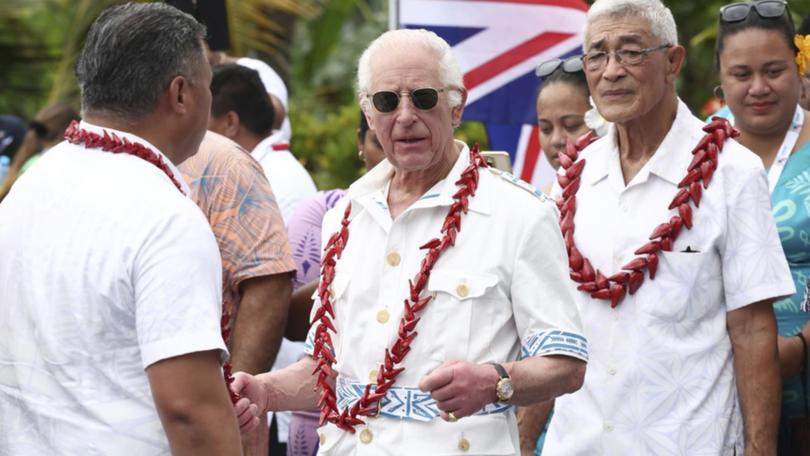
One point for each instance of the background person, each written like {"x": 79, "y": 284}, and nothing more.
{"x": 755, "y": 55}
{"x": 242, "y": 112}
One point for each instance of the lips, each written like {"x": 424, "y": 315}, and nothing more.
{"x": 762, "y": 106}
{"x": 615, "y": 93}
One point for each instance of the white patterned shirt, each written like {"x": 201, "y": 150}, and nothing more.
{"x": 661, "y": 380}
{"x": 106, "y": 268}
{"x": 500, "y": 295}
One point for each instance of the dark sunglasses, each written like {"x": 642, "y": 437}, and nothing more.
{"x": 766, "y": 9}
{"x": 569, "y": 65}
{"x": 425, "y": 99}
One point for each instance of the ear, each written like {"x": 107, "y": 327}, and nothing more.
{"x": 232, "y": 124}
{"x": 458, "y": 111}
{"x": 179, "y": 94}
{"x": 369, "y": 119}
{"x": 675, "y": 59}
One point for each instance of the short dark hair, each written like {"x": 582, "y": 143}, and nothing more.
{"x": 239, "y": 89}
{"x": 782, "y": 24}
{"x": 132, "y": 53}
{"x": 804, "y": 28}
{"x": 576, "y": 78}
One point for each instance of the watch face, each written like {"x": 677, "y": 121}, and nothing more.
{"x": 505, "y": 389}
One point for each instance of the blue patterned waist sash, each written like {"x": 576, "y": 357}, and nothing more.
{"x": 402, "y": 402}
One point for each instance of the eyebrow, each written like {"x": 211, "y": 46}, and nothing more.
{"x": 624, "y": 39}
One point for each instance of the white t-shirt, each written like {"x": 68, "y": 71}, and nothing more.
{"x": 500, "y": 295}
{"x": 290, "y": 181}
{"x": 106, "y": 268}
{"x": 275, "y": 86}
{"x": 661, "y": 376}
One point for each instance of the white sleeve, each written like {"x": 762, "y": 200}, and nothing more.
{"x": 754, "y": 264}
{"x": 546, "y": 315}
{"x": 177, "y": 279}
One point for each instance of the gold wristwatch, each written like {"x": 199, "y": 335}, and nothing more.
{"x": 504, "y": 388}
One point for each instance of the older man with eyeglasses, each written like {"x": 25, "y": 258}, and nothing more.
{"x": 442, "y": 301}
{"x": 675, "y": 259}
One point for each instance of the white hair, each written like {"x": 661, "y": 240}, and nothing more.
{"x": 449, "y": 71}
{"x": 662, "y": 24}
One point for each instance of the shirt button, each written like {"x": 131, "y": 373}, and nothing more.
{"x": 372, "y": 376}
{"x": 608, "y": 427}
{"x": 393, "y": 258}
{"x": 612, "y": 371}
{"x": 366, "y": 436}
{"x": 463, "y": 444}
{"x": 462, "y": 290}
{"x": 383, "y": 316}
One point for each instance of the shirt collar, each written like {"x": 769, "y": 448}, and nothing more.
{"x": 441, "y": 194}
{"x": 265, "y": 146}
{"x": 135, "y": 138}
{"x": 667, "y": 162}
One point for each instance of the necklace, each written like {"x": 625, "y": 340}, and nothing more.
{"x": 111, "y": 142}
{"x": 323, "y": 353}
{"x": 631, "y": 276}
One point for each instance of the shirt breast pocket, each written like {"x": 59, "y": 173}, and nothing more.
{"x": 456, "y": 297}
{"x": 688, "y": 284}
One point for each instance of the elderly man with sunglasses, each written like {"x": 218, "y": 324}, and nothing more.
{"x": 675, "y": 259}
{"x": 442, "y": 301}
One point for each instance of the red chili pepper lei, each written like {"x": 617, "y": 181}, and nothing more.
{"x": 615, "y": 287}
{"x": 368, "y": 404}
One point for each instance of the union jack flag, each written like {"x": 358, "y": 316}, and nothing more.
{"x": 498, "y": 44}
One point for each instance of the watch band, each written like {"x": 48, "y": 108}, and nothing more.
{"x": 501, "y": 370}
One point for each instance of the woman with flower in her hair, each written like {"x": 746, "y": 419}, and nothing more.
{"x": 563, "y": 107}
{"x": 756, "y": 54}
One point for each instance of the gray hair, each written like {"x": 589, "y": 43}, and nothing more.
{"x": 449, "y": 71}
{"x": 662, "y": 24}
{"x": 131, "y": 54}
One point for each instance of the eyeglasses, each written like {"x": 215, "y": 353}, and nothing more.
{"x": 594, "y": 61}
{"x": 569, "y": 65}
{"x": 425, "y": 99}
{"x": 766, "y": 9}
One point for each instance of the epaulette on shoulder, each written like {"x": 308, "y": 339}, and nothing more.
{"x": 520, "y": 183}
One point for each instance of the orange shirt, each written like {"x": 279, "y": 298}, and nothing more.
{"x": 233, "y": 193}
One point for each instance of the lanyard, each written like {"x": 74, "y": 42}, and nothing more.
{"x": 782, "y": 156}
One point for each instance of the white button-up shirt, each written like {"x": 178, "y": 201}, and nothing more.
{"x": 500, "y": 294}
{"x": 290, "y": 181}
{"x": 661, "y": 376}
{"x": 105, "y": 269}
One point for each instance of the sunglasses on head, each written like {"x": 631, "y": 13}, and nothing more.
{"x": 569, "y": 65}
{"x": 766, "y": 9}
{"x": 425, "y": 99}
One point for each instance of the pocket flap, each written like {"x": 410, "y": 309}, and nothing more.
{"x": 459, "y": 284}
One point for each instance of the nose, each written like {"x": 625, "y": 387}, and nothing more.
{"x": 558, "y": 139}
{"x": 759, "y": 86}
{"x": 613, "y": 69}
{"x": 406, "y": 111}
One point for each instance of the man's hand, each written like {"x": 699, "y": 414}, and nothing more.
{"x": 253, "y": 402}
{"x": 460, "y": 387}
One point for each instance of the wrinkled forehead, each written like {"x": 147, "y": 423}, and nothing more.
{"x": 403, "y": 68}
{"x": 613, "y": 32}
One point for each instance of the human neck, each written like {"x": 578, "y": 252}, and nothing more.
{"x": 639, "y": 138}
{"x": 249, "y": 141}
{"x": 408, "y": 186}
{"x": 142, "y": 128}
{"x": 764, "y": 144}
